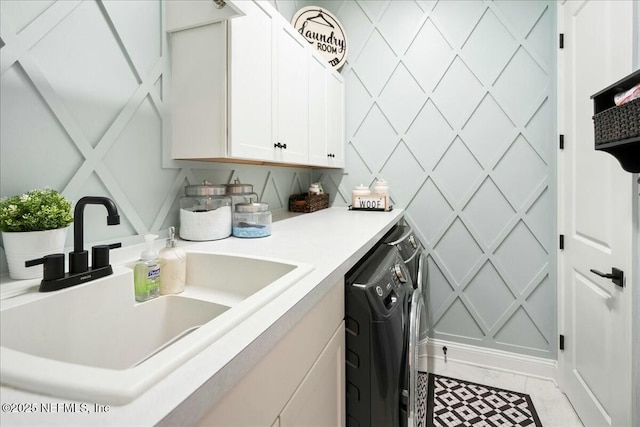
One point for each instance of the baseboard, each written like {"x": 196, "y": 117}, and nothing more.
{"x": 481, "y": 357}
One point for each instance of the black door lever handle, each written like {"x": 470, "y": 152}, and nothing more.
{"x": 616, "y": 276}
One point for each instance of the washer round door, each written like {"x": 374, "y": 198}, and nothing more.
{"x": 416, "y": 323}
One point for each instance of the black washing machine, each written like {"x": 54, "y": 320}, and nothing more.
{"x": 414, "y": 256}
{"x": 412, "y": 251}
{"x": 378, "y": 293}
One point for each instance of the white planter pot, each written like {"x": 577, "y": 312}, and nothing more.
{"x": 22, "y": 246}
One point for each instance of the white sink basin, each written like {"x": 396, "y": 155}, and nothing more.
{"x": 66, "y": 329}
{"x": 93, "y": 342}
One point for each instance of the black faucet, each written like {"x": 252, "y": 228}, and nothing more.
{"x": 79, "y": 258}
{"x": 79, "y": 271}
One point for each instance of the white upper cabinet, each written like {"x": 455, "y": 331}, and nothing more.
{"x": 318, "y": 125}
{"x": 252, "y": 90}
{"x": 335, "y": 120}
{"x": 251, "y": 84}
{"x": 183, "y": 14}
{"x": 293, "y": 97}
{"x": 326, "y": 114}
{"x": 198, "y": 97}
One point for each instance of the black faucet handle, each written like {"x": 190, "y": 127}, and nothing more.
{"x": 53, "y": 266}
{"x": 78, "y": 262}
{"x": 100, "y": 254}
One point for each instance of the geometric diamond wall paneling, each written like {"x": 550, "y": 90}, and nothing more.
{"x": 452, "y": 102}
{"x": 85, "y": 92}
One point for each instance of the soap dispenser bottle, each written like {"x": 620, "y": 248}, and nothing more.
{"x": 146, "y": 273}
{"x": 173, "y": 266}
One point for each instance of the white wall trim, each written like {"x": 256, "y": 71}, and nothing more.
{"x": 482, "y": 357}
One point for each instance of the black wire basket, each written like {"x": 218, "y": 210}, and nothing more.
{"x": 307, "y": 203}
{"x": 617, "y": 123}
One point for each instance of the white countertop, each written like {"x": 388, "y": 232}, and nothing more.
{"x": 332, "y": 240}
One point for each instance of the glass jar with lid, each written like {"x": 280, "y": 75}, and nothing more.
{"x": 251, "y": 220}
{"x": 205, "y": 212}
{"x": 241, "y": 193}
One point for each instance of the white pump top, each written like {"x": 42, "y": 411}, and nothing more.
{"x": 149, "y": 253}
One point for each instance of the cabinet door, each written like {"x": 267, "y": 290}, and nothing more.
{"x": 320, "y": 398}
{"x": 268, "y": 387}
{"x": 335, "y": 120}
{"x": 318, "y": 111}
{"x": 251, "y": 84}
{"x": 198, "y": 100}
{"x": 292, "y": 96}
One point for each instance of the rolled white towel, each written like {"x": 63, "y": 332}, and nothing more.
{"x": 629, "y": 95}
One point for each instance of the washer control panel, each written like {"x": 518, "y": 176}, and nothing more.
{"x": 400, "y": 273}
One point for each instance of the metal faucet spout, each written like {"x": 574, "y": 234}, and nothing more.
{"x": 78, "y": 219}
{"x": 79, "y": 258}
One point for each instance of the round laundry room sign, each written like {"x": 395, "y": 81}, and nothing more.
{"x": 323, "y": 30}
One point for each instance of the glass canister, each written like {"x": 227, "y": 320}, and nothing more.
{"x": 252, "y": 220}
{"x": 381, "y": 187}
{"x": 205, "y": 212}
{"x": 241, "y": 193}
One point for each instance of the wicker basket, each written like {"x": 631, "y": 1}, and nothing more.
{"x": 307, "y": 203}
{"x": 617, "y": 123}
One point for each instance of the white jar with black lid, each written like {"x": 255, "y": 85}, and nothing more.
{"x": 251, "y": 220}
{"x": 205, "y": 212}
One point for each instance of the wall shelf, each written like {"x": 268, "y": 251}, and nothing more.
{"x": 626, "y": 148}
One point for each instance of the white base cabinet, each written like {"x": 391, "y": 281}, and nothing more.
{"x": 301, "y": 382}
{"x": 320, "y": 399}
{"x": 252, "y": 90}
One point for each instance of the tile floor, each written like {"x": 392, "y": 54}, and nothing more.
{"x": 552, "y": 405}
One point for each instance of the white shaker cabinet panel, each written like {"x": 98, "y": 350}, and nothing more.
{"x": 318, "y": 111}
{"x": 335, "y": 120}
{"x": 198, "y": 108}
{"x": 251, "y": 84}
{"x": 326, "y": 114}
{"x": 292, "y": 96}
{"x": 320, "y": 399}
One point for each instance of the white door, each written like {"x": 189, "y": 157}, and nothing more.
{"x": 595, "y": 202}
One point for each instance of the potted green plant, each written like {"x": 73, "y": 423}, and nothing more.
{"x": 33, "y": 224}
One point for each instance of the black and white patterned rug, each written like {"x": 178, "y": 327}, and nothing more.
{"x": 451, "y": 402}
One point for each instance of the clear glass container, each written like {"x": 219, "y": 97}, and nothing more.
{"x": 205, "y": 212}
{"x": 252, "y": 220}
{"x": 241, "y": 193}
